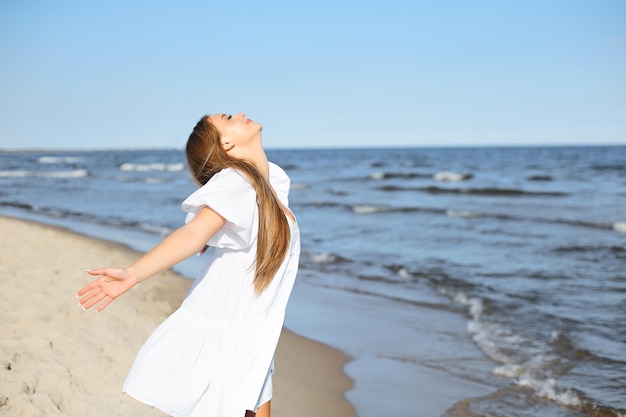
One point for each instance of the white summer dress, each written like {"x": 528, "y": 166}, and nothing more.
{"x": 213, "y": 357}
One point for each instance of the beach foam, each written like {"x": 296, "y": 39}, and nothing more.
{"x": 620, "y": 227}
{"x": 76, "y": 173}
{"x": 447, "y": 176}
{"x": 60, "y": 159}
{"x": 151, "y": 167}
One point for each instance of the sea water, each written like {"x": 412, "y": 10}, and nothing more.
{"x": 462, "y": 281}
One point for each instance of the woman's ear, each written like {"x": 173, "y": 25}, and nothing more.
{"x": 226, "y": 144}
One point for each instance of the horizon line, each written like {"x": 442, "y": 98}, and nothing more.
{"x": 344, "y": 147}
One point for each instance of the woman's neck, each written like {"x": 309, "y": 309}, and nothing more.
{"x": 256, "y": 154}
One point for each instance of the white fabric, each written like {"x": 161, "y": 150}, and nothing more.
{"x": 213, "y": 356}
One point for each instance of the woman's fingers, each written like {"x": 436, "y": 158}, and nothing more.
{"x": 91, "y": 292}
{"x": 109, "y": 284}
{"x": 87, "y": 288}
{"x": 98, "y": 271}
{"x": 104, "y": 304}
{"x": 92, "y": 301}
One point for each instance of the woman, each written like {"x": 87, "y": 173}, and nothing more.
{"x": 213, "y": 357}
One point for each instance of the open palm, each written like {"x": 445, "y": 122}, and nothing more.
{"x": 110, "y": 284}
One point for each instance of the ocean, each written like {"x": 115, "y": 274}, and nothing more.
{"x": 462, "y": 281}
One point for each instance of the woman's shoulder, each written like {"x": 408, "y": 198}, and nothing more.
{"x": 277, "y": 174}
{"x": 227, "y": 183}
{"x": 280, "y": 182}
{"x": 232, "y": 178}
{"x": 227, "y": 178}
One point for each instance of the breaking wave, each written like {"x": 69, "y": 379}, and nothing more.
{"x": 152, "y": 167}
{"x": 390, "y": 175}
{"x": 77, "y": 173}
{"x": 327, "y": 258}
{"x": 501, "y": 344}
{"x": 489, "y": 191}
{"x": 447, "y": 176}
{"x": 60, "y": 159}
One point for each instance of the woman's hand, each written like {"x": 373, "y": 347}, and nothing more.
{"x": 180, "y": 244}
{"x": 110, "y": 284}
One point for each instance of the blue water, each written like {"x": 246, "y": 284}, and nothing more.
{"x": 511, "y": 260}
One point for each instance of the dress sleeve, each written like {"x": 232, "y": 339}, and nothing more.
{"x": 233, "y": 198}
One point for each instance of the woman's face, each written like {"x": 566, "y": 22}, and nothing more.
{"x": 236, "y": 129}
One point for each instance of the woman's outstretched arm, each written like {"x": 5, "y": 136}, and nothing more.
{"x": 179, "y": 245}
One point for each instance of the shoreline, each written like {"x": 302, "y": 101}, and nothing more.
{"x": 61, "y": 360}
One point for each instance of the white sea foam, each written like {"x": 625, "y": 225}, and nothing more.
{"x": 447, "y": 176}
{"x": 496, "y": 340}
{"x": 462, "y": 213}
{"x": 377, "y": 175}
{"x": 160, "y": 230}
{"x": 297, "y": 186}
{"x": 323, "y": 258}
{"x": 403, "y": 273}
{"x": 619, "y": 227}
{"x": 156, "y": 180}
{"x": 509, "y": 370}
{"x": 77, "y": 173}
{"x": 367, "y": 209}
{"x": 60, "y": 159}
{"x": 8, "y": 174}
{"x": 151, "y": 167}
{"x": 547, "y": 388}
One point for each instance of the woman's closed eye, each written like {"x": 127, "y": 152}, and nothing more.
{"x": 230, "y": 116}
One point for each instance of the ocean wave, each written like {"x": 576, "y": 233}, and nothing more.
{"x": 321, "y": 204}
{"x": 464, "y": 214}
{"x": 447, "y": 176}
{"x": 336, "y": 192}
{"x": 489, "y": 191}
{"x": 298, "y": 186}
{"x": 327, "y": 258}
{"x": 609, "y": 167}
{"x": 77, "y": 173}
{"x": 377, "y": 278}
{"x": 60, "y": 159}
{"x": 614, "y": 250}
{"x": 151, "y": 167}
{"x": 432, "y": 277}
{"x": 390, "y": 175}
{"x": 369, "y": 209}
{"x": 14, "y": 204}
{"x": 527, "y": 361}
{"x": 619, "y": 227}
{"x": 540, "y": 178}
{"x": 152, "y": 180}
{"x": 145, "y": 180}
{"x": 547, "y": 388}
{"x": 374, "y": 209}
{"x": 152, "y": 228}
{"x": 88, "y": 218}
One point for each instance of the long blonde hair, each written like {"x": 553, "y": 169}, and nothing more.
{"x": 206, "y": 157}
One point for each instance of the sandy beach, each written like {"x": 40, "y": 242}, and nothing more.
{"x": 57, "y": 359}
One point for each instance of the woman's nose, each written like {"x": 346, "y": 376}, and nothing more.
{"x": 240, "y": 116}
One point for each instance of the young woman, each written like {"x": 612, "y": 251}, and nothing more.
{"x": 213, "y": 357}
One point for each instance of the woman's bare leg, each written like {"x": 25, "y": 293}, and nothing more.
{"x": 264, "y": 410}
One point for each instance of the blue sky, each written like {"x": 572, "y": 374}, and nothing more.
{"x": 139, "y": 74}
